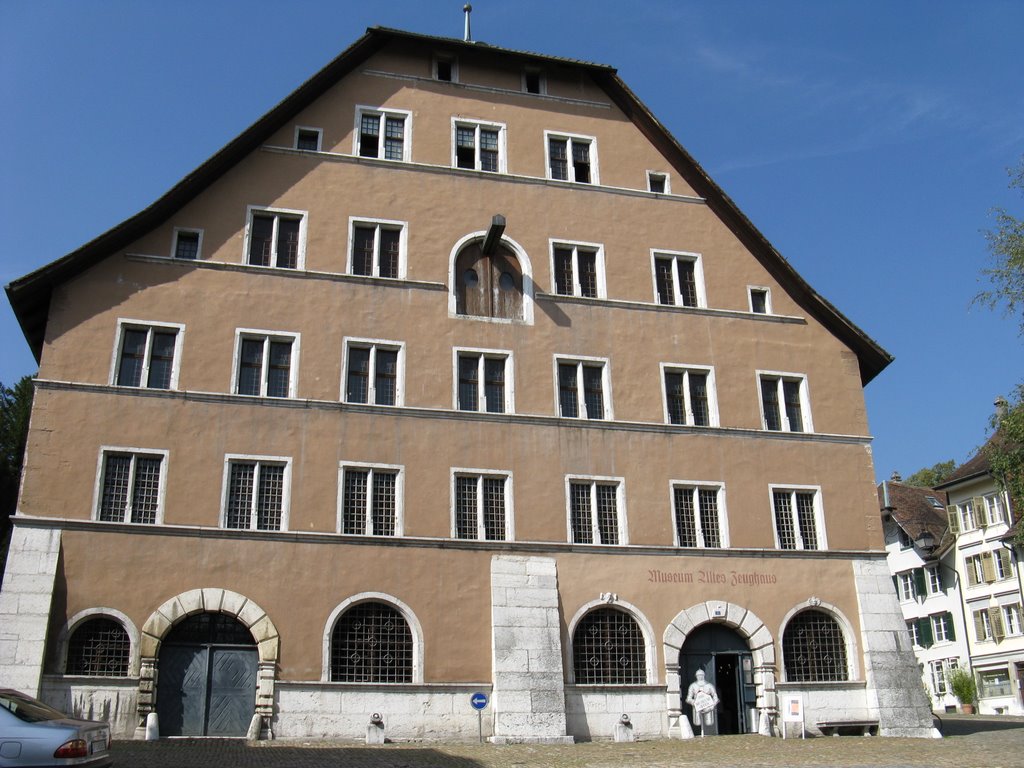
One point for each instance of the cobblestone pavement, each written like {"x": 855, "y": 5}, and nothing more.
{"x": 970, "y": 742}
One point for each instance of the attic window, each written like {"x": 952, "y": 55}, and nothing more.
{"x": 760, "y": 301}
{"x": 934, "y": 502}
{"x": 308, "y": 139}
{"x": 534, "y": 81}
{"x": 445, "y": 69}
{"x": 657, "y": 182}
{"x": 186, "y": 243}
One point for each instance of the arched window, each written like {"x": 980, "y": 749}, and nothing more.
{"x": 488, "y": 285}
{"x": 100, "y": 648}
{"x": 608, "y": 649}
{"x": 813, "y": 649}
{"x": 371, "y": 643}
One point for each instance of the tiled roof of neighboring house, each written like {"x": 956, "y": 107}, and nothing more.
{"x": 974, "y": 467}
{"x": 913, "y": 508}
{"x": 30, "y": 295}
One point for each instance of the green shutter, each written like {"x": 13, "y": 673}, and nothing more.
{"x": 950, "y": 630}
{"x": 924, "y": 632}
{"x": 896, "y": 585}
{"x": 920, "y": 588}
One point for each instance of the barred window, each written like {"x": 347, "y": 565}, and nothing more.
{"x": 369, "y": 501}
{"x": 130, "y": 489}
{"x": 813, "y": 649}
{"x": 697, "y": 516}
{"x": 796, "y": 519}
{"x": 255, "y": 496}
{"x": 594, "y": 512}
{"x": 371, "y": 643}
{"x": 187, "y": 244}
{"x": 480, "y": 507}
{"x": 608, "y": 649}
{"x": 100, "y": 648}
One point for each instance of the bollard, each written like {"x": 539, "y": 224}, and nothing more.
{"x": 624, "y": 729}
{"x": 375, "y": 730}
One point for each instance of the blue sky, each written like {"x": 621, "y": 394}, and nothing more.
{"x": 867, "y": 140}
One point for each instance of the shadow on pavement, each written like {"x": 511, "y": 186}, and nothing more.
{"x": 968, "y": 725}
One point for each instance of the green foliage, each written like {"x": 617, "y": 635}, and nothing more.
{"x": 15, "y": 406}
{"x": 1005, "y": 453}
{"x": 961, "y": 682}
{"x": 929, "y": 477}
{"x": 1005, "y": 273}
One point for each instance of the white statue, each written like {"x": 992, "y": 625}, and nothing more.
{"x": 702, "y": 696}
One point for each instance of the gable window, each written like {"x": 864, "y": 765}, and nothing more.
{"x": 276, "y": 238}
{"x": 798, "y": 519}
{"x": 813, "y": 649}
{"x": 377, "y": 248}
{"x": 534, "y": 81}
{"x": 689, "y": 396}
{"x": 373, "y": 372}
{"x": 187, "y": 244}
{"x": 484, "y": 381}
{"x": 147, "y": 356}
{"x": 572, "y": 158}
{"x": 266, "y": 364}
{"x": 784, "y": 405}
{"x": 578, "y": 269}
{"x": 370, "y": 498}
{"x": 596, "y": 515}
{"x": 657, "y": 182}
{"x": 383, "y": 134}
{"x": 371, "y": 643}
{"x": 478, "y": 146}
{"x": 98, "y": 648}
{"x": 446, "y": 68}
{"x": 582, "y": 389}
{"x": 255, "y": 493}
{"x": 678, "y": 279}
{"x": 130, "y": 487}
{"x": 481, "y": 504}
{"x": 308, "y": 139}
{"x": 699, "y": 515}
{"x": 608, "y": 649}
{"x": 760, "y": 301}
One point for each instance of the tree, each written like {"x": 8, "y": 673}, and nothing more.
{"x": 1005, "y": 452}
{"x": 15, "y": 407}
{"x": 1006, "y": 247}
{"x": 929, "y": 477}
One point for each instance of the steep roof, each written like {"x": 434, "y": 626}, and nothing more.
{"x": 30, "y": 295}
{"x": 913, "y": 509}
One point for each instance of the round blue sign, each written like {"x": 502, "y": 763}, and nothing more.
{"x": 478, "y": 700}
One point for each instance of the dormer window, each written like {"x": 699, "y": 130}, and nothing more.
{"x": 534, "y": 81}
{"x": 446, "y": 69}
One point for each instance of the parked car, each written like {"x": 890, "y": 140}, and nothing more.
{"x": 36, "y": 734}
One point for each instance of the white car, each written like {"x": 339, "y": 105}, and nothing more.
{"x": 36, "y": 734}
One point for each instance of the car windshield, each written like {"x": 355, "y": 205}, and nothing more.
{"x": 28, "y": 709}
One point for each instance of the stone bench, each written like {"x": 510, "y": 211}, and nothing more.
{"x": 846, "y": 727}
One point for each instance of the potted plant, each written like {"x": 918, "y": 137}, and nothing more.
{"x": 961, "y": 682}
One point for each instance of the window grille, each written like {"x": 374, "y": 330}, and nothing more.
{"x": 494, "y": 508}
{"x": 465, "y": 507}
{"x": 100, "y": 648}
{"x": 813, "y": 649}
{"x": 594, "y": 508}
{"x": 371, "y": 643}
{"x": 608, "y": 649}
{"x": 582, "y": 531}
{"x": 255, "y": 489}
{"x": 131, "y": 488}
{"x": 186, "y": 245}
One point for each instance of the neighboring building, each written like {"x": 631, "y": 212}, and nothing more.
{"x": 452, "y": 373}
{"x": 927, "y": 585}
{"x": 988, "y": 561}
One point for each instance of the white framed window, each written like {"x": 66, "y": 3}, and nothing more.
{"x": 1002, "y": 563}
{"x": 785, "y": 403}
{"x": 904, "y": 538}
{"x": 988, "y": 623}
{"x": 481, "y": 505}
{"x": 256, "y": 492}
{"x": 934, "y": 578}
{"x": 583, "y": 388}
{"x": 484, "y": 380}
{"x": 940, "y": 669}
{"x": 266, "y": 363}
{"x": 658, "y": 182}
{"x": 578, "y": 269}
{"x": 994, "y": 509}
{"x": 383, "y": 133}
{"x": 445, "y": 67}
{"x": 370, "y": 499}
{"x": 798, "y": 518}
{"x": 275, "y": 237}
{"x": 973, "y": 568}
{"x": 906, "y": 582}
{"x": 147, "y": 355}
{"x": 374, "y": 371}
{"x": 760, "y": 299}
{"x": 187, "y": 244}
{"x": 377, "y": 247}
{"x": 596, "y": 510}
{"x": 1011, "y": 619}
{"x": 967, "y": 515}
{"x": 571, "y": 157}
{"x": 942, "y": 627}
{"x": 913, "y": 631}
{"x": 689, "y": 395}
{"x": 130, "y": 485}
{"x": 678, "y": 278}
{"x": 308, "y": 139}
{"x": 534, "y": 81}
{"x": 699, "y": 514}
{"x": 478, "y": 145}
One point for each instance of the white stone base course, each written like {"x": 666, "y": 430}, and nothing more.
{"x": 411, "y": 712}
{"x": 25, "y": 606}
{"x": 894, "y": 693}
{"x": 96, "y": 698}
{"x": 593, "y": 712}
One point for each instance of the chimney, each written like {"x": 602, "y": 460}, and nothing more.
{"x": 1002, "y": 408}
{"x": 896, "y": 476}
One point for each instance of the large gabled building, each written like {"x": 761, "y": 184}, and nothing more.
{"x": 454, "y": 373}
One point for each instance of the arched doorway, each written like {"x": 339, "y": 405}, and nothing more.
{"x": 488, "y": 285}
{"x": 208, "y": 668}
{"x": 727, "y": 663}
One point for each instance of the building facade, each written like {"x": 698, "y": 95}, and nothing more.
{"x": 454, "y": 373}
